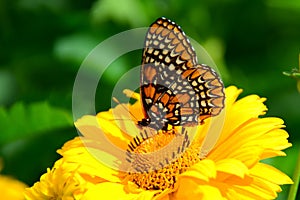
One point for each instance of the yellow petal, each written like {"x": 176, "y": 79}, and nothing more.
{"x": 85, "y": 158}
{"x": 102, "y": 131}
{"x": 203, "y": 170}
{"x": 11, "y": 189}
{"x": 270, "y": 174}
{"x": 265, "y": 183}
{"x": 234, "y": 194}
{"x": 258, "y": 189}
{"x": 236, "y": 148}
{"x": 269, "y": 153}
{"x": 233, "y": 167}
{"x": 191, "y": 190}
{"x": 254, "y": 140}
{"x": 107, "y": 190}
{"x": 275, "y": 139}
{"x": 118, "y": 122}
{"x": 61, "y": 182}
{"x": 232, "y": 94}
{"x": 240, "y": 112}
{"x": 258, "y": 127}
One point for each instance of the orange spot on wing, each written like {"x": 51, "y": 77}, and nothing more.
{"x": 154, "y": 109}
{"x": 173, "y": 100}
{"x": 165, "y": 32}
{"x": 153, "y": 28}
{"x": 172, "y": 36}
{"x": 218, "y": 102}
{"x": 216, "y": 82}
{"x": 183, "y": 98}
{"x": 176, "y": 30}
{"x": 170, "y": 26}
{"x": 150, "y": 72}
{"x": 188, "y": 72}
{"x": 159, "y": 30}
{"x": 203, "y": 117}
{"x": 196, "y": 73}
{"x": 217, "y": 91}
{"x": 189, "y": 64}
{"x": 169, "y": 115}
{"x": 209, "y": 75}
{"x": 186, "y": 111}
{"x": 216, "y": 111}
{"x": 149, "y": 91}
{"x": 171, "y": 106}
{"x": 185, "y": 55}
{"x": 165, "y": 99}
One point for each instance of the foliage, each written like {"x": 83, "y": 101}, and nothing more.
{"x": 23, "y": 121}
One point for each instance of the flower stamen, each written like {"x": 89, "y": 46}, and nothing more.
{"x": 157, "y": 161}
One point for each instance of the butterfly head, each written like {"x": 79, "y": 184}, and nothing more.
{"x": 144, "y": 122}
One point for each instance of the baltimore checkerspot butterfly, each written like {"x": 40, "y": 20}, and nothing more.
{"x": 175, "y": 89}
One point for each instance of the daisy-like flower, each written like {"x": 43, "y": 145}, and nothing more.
{"x": 119, "y": 160}
{"x": 11, "y": 188}
{"x": 61, "y": 182}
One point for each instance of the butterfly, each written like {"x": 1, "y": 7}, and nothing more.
{"x": 175, "y": 89}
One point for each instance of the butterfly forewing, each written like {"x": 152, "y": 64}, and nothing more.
{"x": 166, "y": 49}
{"x": 175, "y": 90}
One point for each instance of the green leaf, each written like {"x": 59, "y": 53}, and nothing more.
{"x": 28, "y": 120}
{"x": 131, "y": 11}
{"x": 75, "y": 47}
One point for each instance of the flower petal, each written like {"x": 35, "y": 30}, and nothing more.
{"x": 61, "y": 182}
{"x": 236, "y": 148}
{"x": 232, "y": 94}
{"x": 270, "y": 174}
{"x": 257, "y": 190}
{"x": 240, "y": 112}
{"x": 108, "y": 132}
{"x": 264, "y": 185}
{"x": 11, "y": 189}
{"x": 108, "y": 190}
{"x": 256, "y": 139}
{"x": 203, "y": 170}
{"x": 233, "y": 167}
{"x": 81, "y": 156}
{"x": 191, "y": 190}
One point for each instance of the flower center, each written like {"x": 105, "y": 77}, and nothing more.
{"x": 157, "y": 161}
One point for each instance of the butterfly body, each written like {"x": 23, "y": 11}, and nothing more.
{"x": 175, "y": 89}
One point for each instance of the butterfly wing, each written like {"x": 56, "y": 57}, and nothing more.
{"x": 166, "y": 50}
{"x": 209, "y": 91}
{"x": 168, "y": 74}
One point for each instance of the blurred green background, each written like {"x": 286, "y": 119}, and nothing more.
{"x": 44, "y": 42}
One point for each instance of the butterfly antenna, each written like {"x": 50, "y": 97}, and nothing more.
{"x": 123, "y": 106}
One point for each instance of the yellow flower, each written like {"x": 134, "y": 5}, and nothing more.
{"x": 11, "y": 188}
{"x": 119, "y": 160}
{"x": 61, "y": 182}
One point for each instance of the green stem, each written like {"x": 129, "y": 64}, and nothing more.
{"x": 296, "y": 177}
